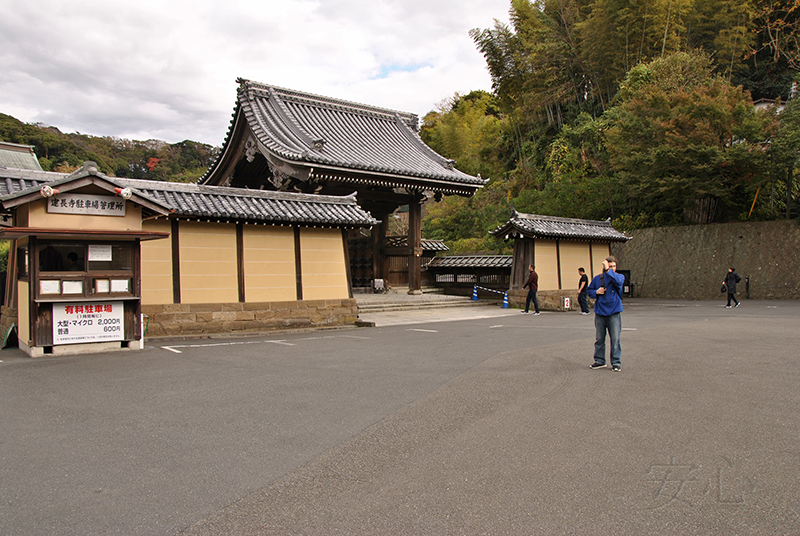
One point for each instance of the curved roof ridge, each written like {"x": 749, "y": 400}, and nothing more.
{"x": 329, "y": 102}
{"x": 542, "y": 217}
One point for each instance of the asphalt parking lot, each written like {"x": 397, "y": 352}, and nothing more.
{"x": 448, "y": 422}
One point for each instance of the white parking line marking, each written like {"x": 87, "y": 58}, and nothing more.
{"x": 497, "y": 326}
{"x": 425, "y": 330}
{"x": 283, "y": 342}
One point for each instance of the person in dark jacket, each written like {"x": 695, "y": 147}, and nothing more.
{"x": 532, "y": 284}
{"x": 731, "y": 278}
{"x": 606, "y": 288}
{"x": 582, "y": 297}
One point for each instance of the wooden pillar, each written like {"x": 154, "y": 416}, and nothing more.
{"x": 524, "y": 255}
{"x": 379, "y": 270}
{"x": 176, "y": 262}
{"x": 240, "y": 261}
{"x": 558, "y": 262}
{"x": 298, "y": 265}
{"x": 11, "y": 276}
{"x": 414, "y": 247}
{"x": 348, "y": 270}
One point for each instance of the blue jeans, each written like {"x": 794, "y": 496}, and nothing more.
{"x": 532, "y": 297}
{"x": 612, "y": 324}
{"x": 583, "y": 302}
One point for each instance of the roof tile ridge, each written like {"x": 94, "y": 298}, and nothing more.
{"x": 228, "y": 191}
{"x": 523, "y": 216}
{"x": 331, "y": 102}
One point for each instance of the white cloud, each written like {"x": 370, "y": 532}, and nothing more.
{"x": 167, "y": 70}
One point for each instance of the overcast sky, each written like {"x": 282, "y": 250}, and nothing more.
{"x": 167, "y": 69}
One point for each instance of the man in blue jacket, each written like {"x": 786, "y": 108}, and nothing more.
{"x": 606, "y": 288}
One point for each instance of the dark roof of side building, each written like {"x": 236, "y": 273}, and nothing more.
{"x": 471, "y": 261}
{"x": 13, "y": 155}
{"x": 426, "y": 244}
{"x": 537, "y": 226}
{"x": 334, "y": 136}
{"x": 205, "y": 202}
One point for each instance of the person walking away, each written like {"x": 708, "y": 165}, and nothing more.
{"x": 606, "y": 289}
{"x": 582, "y": 297}
{"x": 731, "y": 278}
{"x": 532, "y": 284}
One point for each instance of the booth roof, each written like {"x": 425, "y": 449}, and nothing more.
{"x": 325, "y": 133}
{"x": 211, "y": 202}
{"x": 537, "y": 226}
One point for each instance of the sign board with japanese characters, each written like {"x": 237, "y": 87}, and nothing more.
{"x": 94, "y": 205}
{"x": 88, "y": 322}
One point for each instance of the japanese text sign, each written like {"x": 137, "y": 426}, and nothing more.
{"x": 88, "y": 322}
{"x": 95, "y": 205}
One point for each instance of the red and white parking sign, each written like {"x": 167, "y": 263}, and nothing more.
{"x": 88, "y": 322}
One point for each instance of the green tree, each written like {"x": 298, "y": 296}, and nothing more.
{"x": 681, "y": 135}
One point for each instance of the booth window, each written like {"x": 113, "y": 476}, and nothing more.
{"x": 75, "y": 268}
{"x": 62, "y": 257}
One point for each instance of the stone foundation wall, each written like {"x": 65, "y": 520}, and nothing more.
{"x": 549, "y": 300}
{"x": 225, "y": 318}
{"x": 8, "y": 318}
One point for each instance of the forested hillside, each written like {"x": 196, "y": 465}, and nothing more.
{"x": 152, "y": 159}
{"x": 641, "y": 111}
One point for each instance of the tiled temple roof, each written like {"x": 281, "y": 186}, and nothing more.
{"x": 210, "y": 202}
{"x": 336, "y": 137}
{"x": 537, "y": 226}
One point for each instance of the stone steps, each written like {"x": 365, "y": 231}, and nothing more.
{"x": 412, "y": 305}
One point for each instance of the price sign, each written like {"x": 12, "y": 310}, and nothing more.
{"x": 88, "y": 322}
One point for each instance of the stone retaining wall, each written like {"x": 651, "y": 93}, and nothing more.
{"x": 224, "y": 318}
{"x": 689, "y": 262}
